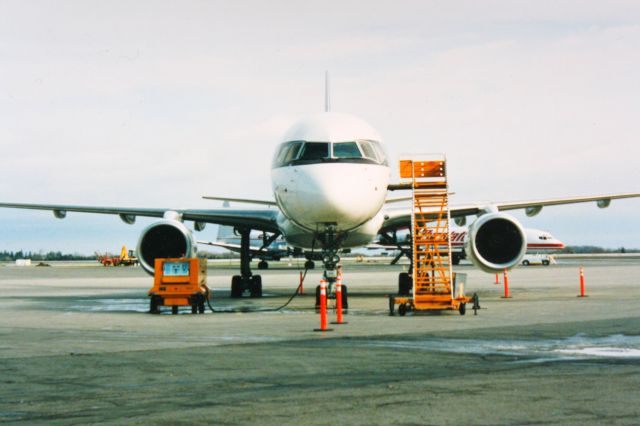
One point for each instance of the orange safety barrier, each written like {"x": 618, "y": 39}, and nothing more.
{"x": 339, "y": 301}
{"x": 323, "y": 307}
{"x": 506, "y": 285}
{"x": 497, "y": 278}
{"x": 582, "y": 290}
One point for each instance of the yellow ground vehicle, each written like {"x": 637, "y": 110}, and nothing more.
{"x": 126, "y": 258}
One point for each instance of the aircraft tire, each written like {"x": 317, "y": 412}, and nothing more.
{"x": 256, "y": 286}
{"x": 263, "y": 264}
{"x": 402, "y": 309}
{"x": 345, "y": 298}
{"x": 153, "y": 305}
{"x": 404, "y": 284}
{"x": 236, "y": 287}
{"x": 317, "y": 297}
{"x": 309, "y": 264}
{"x": 463, "y": 308}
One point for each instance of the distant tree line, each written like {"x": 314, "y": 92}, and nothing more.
{"x": 8, "y": 256}
{"x": 596, "y": 249}
{"x": 52, "y": 255}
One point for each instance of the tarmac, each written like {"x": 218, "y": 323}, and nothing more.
{"x": 78, "y": 346}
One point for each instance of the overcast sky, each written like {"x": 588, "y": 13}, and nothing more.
{"x": 156, "y": 103}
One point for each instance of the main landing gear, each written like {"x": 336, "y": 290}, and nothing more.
{"x": 405, "y": 284}
{"x": 246, "y": 281}
{"x": 405, "y": 281}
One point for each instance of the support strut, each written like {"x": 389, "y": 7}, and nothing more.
{"x": 331, "y": 241}
{"x": 246, "y": 280}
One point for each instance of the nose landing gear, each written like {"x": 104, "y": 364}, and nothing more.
{"x": 330, "y": 260}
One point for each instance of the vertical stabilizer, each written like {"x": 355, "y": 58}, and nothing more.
{"x": 226, "y": 234}
{"x": 327, "y": 104}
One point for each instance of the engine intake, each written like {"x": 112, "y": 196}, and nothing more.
{"x": 495, "y": 241}
{"x": 165, "y": 239}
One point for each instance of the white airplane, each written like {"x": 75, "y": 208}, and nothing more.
{"x": 330, "y": 178}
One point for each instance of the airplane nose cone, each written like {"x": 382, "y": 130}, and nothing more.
{"x": 344, "y": 194}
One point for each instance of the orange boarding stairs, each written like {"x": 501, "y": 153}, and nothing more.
{"x": 432, "y": 274}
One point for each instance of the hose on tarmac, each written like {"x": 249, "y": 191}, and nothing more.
{"x": 293, "y": 296}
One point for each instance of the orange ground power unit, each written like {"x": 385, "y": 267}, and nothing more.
{"x": 179, "y": 282}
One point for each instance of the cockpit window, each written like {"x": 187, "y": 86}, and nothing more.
{"x": 315, "y": 151}
{"x": 382, "y": 157}
{"x": 292, "y": 152}
{"x": 302, "y": 152}
{"x": 346, "y": 150}
{"x": 287, "y": 153}
{"x": 368, "y": 150}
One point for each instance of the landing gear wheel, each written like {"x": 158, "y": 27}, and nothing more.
{"x": 256, "y": 286}
{"x": 153, "y": 305}
{"x": 345, "y": 298}
{"x": 463, "y": 308}
{"x": 263, "y": 264}
{"x": 392, "y": 306}
{"x": 404, "y": 284}
{"x": 174, "y": 310}
{"x": 402, "y": 309}
{"x": 236, "y": 286}
{"x": 197, "y": 303}
{"x": 317, "y": 297}
{"x": 309, "y": 264}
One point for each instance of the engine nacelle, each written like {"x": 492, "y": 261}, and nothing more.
{"x": 495, "y": 241}
{"x": 165, "y": 239}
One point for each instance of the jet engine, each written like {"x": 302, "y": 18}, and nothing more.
{"x": 495, "y": 241}
{"x": 165, "y": 239}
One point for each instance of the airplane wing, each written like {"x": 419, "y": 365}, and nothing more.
{"x": 255, "y": 251}
{"x": 233, "y": 247}
{"x": 264, "y": 220}
{"x": 241, "y": 200}
{"x": 401, "y": 218}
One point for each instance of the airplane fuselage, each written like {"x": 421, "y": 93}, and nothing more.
{"x": 330, "y": 172}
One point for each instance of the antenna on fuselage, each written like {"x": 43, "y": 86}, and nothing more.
{"x": 327, "y": 105}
